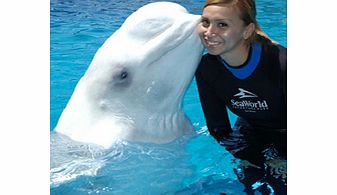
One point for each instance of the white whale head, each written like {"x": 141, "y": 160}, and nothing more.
{"x": 135, "y": 84}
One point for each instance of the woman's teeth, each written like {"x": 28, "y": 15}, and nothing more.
{"x": 212, "y": 43}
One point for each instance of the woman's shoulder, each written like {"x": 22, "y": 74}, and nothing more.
{"x": 276, "y": 51}
{"x": 271, "y": 45}
{"x": 207, "y": 66}
{"x": 282, "y": 52}
{"x": 206, "y": 60}
{"x": 279, "y": 49}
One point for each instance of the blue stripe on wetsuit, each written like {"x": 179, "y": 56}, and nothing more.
{"x": 248, "y": 69}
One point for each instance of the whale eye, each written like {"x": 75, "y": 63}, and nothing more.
{"x": 121, "y": 78}
{"x": 123, "y": 75}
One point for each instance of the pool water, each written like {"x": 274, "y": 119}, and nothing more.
{"x": 192, "y": 164}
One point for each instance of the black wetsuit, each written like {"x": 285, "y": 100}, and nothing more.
{"x": 256, "y": 93}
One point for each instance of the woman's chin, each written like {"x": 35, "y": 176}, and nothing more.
{"x": 213, "y": 52}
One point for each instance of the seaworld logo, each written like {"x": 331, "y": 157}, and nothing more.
{"x": 244, "y": 93}
{"x": 249, "y": 106}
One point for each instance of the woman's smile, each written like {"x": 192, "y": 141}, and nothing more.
{"x": 211, "y": 43}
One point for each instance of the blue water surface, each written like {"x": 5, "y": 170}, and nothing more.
{"x": 192, "y": 165}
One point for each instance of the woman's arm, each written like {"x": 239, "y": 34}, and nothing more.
{"x": 214, "y": 109}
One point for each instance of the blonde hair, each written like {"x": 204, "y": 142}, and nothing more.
{"x": 247, "y": 11}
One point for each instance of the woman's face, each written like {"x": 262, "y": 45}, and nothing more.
{"x": 221, "y": 30}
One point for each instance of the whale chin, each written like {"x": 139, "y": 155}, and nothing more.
{"x": 135, "y": 84}
{"x": 157, "y": 128}
{"x": 162, "y": 128}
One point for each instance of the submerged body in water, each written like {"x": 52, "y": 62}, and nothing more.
{"x": 262, "y": 157}
{"x": 142, "y": 168}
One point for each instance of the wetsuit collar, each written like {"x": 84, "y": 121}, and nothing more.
{"x": 246, "y": 70}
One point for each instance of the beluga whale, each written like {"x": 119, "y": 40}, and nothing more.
{"x": 134, "y": 86}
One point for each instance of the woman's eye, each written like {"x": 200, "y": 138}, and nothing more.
{"x": 222, "y": 24}
{"x": 205, "y": 23}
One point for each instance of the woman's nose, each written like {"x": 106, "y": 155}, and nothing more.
{"x": 211, "y": 30}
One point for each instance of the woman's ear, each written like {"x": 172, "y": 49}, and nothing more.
{"x": 249, "y": 31}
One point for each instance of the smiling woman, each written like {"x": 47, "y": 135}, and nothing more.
{"x": 245, "y": 72}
